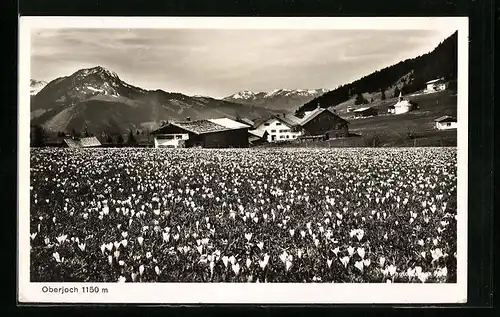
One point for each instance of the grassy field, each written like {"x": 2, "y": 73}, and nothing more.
{"x": 393, "y": 130}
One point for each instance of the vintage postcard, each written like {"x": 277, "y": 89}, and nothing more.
{"x": 242, "y": 160}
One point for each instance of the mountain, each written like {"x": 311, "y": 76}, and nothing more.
{"x": 96, "y": 99}
{"x": 36, "y": 86}
{"x": 279, "y": 99}
{"x": 408, "y": 76}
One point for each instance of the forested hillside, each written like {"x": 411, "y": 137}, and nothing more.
{"x": 409, "y": 76}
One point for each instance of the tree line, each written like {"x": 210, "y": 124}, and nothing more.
{"x": 40, "y": 137}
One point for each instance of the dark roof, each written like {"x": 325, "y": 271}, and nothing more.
{"x": 445, "y": 119}
{"x": 199, "y": 126}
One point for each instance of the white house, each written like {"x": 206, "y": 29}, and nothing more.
{"x": 445, "y": 123}
{"x": 435, "y": 85}
{"x": 170, "y": 140}
{"x": 278, "y": 128}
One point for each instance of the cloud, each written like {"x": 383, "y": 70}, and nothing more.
{"x": 221, "y": 62}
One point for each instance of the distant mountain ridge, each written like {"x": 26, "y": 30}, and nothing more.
{"x": 279, "y": 99}
{"x": 96, "y": 99}
{"x": 407, "y": 76}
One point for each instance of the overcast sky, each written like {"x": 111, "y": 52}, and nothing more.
{"x": 219, "y": 63}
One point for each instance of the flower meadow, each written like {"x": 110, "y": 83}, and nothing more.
{"x": 352, "y": 215}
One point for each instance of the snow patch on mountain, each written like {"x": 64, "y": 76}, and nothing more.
{"x": 282, "y": 92}
{"x": 245, "y": 94}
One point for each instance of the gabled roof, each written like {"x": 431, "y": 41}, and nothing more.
{"x": 287, "y": 119}
{"x": 207, "y": 125}
{"x": 445, "y": 118}
{"x": 313, "y": 114}
{"x": 291, "y": 120}
{"x": 199, "y": 126}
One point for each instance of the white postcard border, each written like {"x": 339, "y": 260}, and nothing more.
{"x": 198, "y": 293}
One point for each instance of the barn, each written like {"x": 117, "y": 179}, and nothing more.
{"x": 206, "y": 133}
{"x": 322, "y": 121}
{"x": 445, "y": 123}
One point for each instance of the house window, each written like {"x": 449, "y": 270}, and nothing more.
{"x": 278, "y": 123}
{"x": 282, "y": 136}
{"x": 448, "y": 124}
{"x": 273, "y": 131}
{"x": 165, "y": 137}
{"x": 287, "y": 136}
{"x": 266, "y": 124}
{"x": 178, "y": 136}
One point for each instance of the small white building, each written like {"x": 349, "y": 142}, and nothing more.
{"x": 435, "y": 85}
{"x": 445, "y": 123}
{"x": 402, "y": 106}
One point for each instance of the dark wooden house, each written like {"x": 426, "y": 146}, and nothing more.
{"x": 211, "y": 133}
{"x": 322, "y": 121}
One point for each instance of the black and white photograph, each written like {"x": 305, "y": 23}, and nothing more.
{"x": 244, "y": 159}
